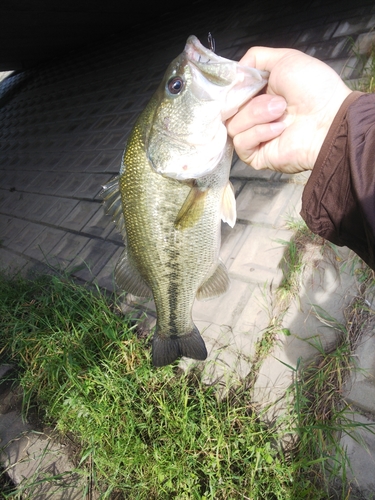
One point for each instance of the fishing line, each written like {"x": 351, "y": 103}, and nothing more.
{"x": 211, "y": 42}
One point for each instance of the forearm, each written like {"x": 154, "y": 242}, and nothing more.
{"x": 338, "y": 202}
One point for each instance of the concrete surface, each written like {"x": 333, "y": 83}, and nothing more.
{"x": 63, "y": 128}
{"x": 33, "y": 459}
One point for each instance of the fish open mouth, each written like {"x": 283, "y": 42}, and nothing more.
{"x": 222, "y": 79}
{"x": 220, "y": 70}
{"x": 197, "y": 52}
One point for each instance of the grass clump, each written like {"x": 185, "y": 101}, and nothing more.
{"x": 294, "y": 262}
{"x": 141, "y": 432}
{"x": 324, "y": 416}
{"x": 366, "y": 69}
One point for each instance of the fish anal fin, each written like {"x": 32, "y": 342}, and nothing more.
{"x": 216, "y": 284}
{"x": 129, "y": 279}
{"x": 192, "y": 209}
{"x": 166, "y": 349}
{"x": 228, "y": 205}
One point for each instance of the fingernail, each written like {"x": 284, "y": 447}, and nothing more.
{"x": 277, "y": 106}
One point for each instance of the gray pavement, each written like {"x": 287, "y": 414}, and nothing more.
{"x": 63, "y": 127}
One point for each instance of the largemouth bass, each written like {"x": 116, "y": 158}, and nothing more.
{"x": 173, "y": 191}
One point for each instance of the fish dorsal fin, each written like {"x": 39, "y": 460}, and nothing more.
{"x": 123, "y": 161}
{"x": 112, "y": 203}
{"x": 228, "y": 205}
{"x": 216, "y": 284}
{"x": 192, "y": 209}
{"x": 128, "y": 278}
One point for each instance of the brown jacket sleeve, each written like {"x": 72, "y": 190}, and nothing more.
{"x": 338, "y": 202}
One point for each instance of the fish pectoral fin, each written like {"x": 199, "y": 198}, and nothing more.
{"x": 129, "y": 279}
{"x": 228, "y": 205}
{"x": 216, "y": 284}
{"x": 168, "y": 348}
{"x": 112, "y": 203}
{"x": 192, "y": 209}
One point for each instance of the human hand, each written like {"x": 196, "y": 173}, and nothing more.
{"x": 284, "y": 128}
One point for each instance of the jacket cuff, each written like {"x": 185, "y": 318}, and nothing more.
{"x": 324, "y": 183}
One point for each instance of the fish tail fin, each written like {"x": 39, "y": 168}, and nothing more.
{"x": 166, "y": 349}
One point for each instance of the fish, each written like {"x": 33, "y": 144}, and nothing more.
{"x": 173, "y": 191}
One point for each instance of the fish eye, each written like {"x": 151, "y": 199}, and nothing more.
{"x": 175, "y": 85}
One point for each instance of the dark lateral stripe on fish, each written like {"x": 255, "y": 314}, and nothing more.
{"x": 173, "y": 290}
{"x": 165, "y": 350}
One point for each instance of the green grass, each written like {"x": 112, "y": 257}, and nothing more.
{"x": 143, "y": 432}
{"x": 366, "y": 68}
{"x": 293, "y": 262}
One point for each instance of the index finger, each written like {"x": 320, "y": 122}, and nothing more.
{"x": 264, "y": 58}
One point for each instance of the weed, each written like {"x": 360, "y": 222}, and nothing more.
{"x": 324, "y": 415}
{"x": 141, "y": 432}
{"x": 365, "y": 66}
{"x": 298, "y": 225}
{"x": 293, "y": 261}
